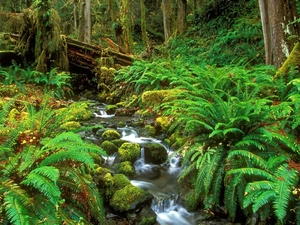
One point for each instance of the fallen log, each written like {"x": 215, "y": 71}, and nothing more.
{"x": 85, "y": 56}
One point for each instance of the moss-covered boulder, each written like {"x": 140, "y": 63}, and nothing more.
{"x": 177, "y": 140}
{"x": 129, "y": 152}
{"x": 70, "y": 126}
{"x": 111, "y": 183}
{"x": 126, "y": 168}
{"x": 109, "y": 147}
{"x": 149, "y": 131}
{"x": 155, "y": 153}
{"x": 110, "y": 135}
{"x": 118, "y": 142}
{"x": 111, "y": 109}
{"x": 156, "y": 97}
{"x": 162, "y": 124}
{"x": 130, "y": 198}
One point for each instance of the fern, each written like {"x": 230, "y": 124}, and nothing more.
{"x": 44, "y": 179}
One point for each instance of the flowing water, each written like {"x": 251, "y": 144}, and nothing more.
{"x": 167, "y": 201}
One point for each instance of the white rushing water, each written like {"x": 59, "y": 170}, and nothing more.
{"x": 166, "y": 202}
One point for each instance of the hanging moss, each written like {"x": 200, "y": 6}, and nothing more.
{"x": 292, "y": 61}
{"x": 40, "y": 38}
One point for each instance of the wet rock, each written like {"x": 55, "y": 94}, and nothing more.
{"x": 129, "y": 152}
{"x": 130, "y": 199}
{"x": 155, "y": 153}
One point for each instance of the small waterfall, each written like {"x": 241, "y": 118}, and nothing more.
{"x": 102, "y": 113}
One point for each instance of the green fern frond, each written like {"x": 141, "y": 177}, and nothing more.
{"x": 47, "y": 213}
{"x": 262, "y": 199}
{"x": 10, "y": 187}
{"x": 286, "y": 180}
{"x": 68, "y": 155}
{"x": 44, "y": 179}
{"x": 16, "y": 212}
{"x": 255, "y": 159}
{"x": 252, "y": 172}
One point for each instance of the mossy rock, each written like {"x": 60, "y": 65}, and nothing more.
{"x": 150, "y": 130}
{"x": 126, "y": 168}
{"x": 129, "y": 152}
{"x": 111, "y": 109}
{"x": 162, "y": 124}
{"x": 155, "y": 153}
{"x": 77, "y": 111}
{"x": 118, "y": 142}
{"x": 110, "y": 135}
{"x": 70, "y": 126}
{"x": 129, "y": 199}
{"x": 177, "y": 140}
{"x": 103, "y": 177}
{"x": 109, "y": 147}
{"x": 156, "y": 97}
{"x": 114, "y": 183}
{"x": 147, "y": 221}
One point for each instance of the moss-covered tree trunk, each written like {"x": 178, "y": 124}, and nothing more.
{"x": 143, "y": 25}
{"x": 50, "y": 48}
{"x": 126, "y": 25}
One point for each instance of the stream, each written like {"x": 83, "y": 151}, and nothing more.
{"x": 167, "y": 202}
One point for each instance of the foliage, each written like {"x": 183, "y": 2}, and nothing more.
{"x": 54, "y": 82}
{"x": 227, "y": 111}
{"x": 51, "y": 173}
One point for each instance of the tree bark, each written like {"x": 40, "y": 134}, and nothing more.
{"x": 167, "y": 18}
{"x": 85, "y": 31}
{"x": 264, "y": 14}
{"x": 181, "y": 16}
{"x": 277, "y": 16}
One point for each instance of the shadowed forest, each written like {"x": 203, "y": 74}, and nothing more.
{"x": 211, "y": 85}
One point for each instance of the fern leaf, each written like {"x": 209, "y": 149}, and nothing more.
{"x": 286, "y": 180}
{"x": 262, "y": 199}
{"x": 255, "y": 159}
{"x": 68, "y": 155}
{"x": 16, "y": 212}
{"x": 252, "y": 172}
{"x": 44, "y": 179}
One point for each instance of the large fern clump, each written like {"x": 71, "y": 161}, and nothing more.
{"x": 45, "y": 172}
{"x": 234, "y": 111}
{"x": 48, "y": 184}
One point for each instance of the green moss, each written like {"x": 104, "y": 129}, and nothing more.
{"x": 177, "y": 140}
{"x": 111, "y": 109}
{"x": 292, "y": 61}
{"x": 156, "y": 97}
{"x": 150, "y": 130}
{"x": 76, "y": 112}
{"x": 156, "y": 153}
{"x": 128, "y": 198}
{"x": 115, "y": 183}
{"x": 126, "y": 168}
{"x": 118, "y": 142}
{"x": 147, "y": 221}
{"x": 109, "y": 147}
{"x": 129, "y": 152}
{"x": 162, "y": 124}
{"x": 110, "y": 135}
{"x": 70, "y": 126}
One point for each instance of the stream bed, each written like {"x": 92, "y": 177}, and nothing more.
{"x": 159, "y": 180}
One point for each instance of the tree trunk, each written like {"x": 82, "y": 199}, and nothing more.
{"x": 143, "y": 25}
{"x": 263, "y": 5}
{"x": 85, "y": 30}
{"x": 75, "y": 15}
{"x": 277, "y": 16}
{"x": 167, "y": 18}
{"x": 181, "y": 16}
{"x": 126, "y": 25}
